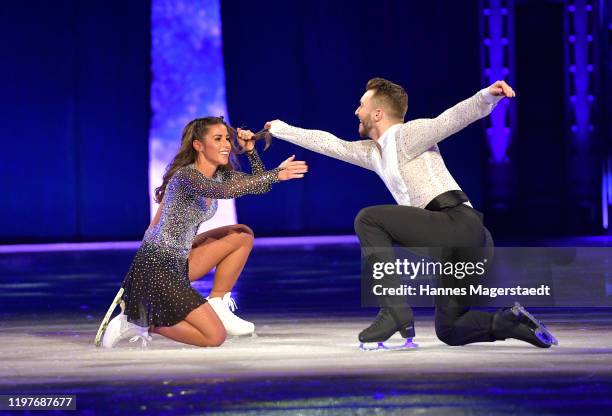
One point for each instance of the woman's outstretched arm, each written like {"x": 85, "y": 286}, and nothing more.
{"x": 236, "y": 184}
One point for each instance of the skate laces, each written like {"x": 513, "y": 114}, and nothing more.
{"x": 145, "y": 337}
{"x": 230, "y": 306}
{"x": 142, "y": 334}
{"x": 380, "y": 318}
{"x": 230, "y": 302}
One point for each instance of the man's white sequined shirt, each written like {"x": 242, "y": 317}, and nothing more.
{"x": 406, "y": 156}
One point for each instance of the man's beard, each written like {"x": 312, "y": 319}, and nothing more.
{"x": 364, "y": 130}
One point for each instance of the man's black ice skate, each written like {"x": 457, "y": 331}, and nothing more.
{"x": 540, "y": 330}
{"x": 516, "y": 322}
{"x": 388, "y": 322}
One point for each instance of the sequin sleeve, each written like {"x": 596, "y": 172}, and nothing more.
{"x": 257, "y": 165}
{"x": 357, "y": 152}
{"x": 233, "y": 184}
{"x": 416, "y": 136}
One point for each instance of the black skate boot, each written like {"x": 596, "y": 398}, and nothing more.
{"x": 388, "y": 322}
{"x": 517, "y": 323}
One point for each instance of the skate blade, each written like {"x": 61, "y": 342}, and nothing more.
{"x": 386, "y": 345}
{"x": 540, "y": 331}
{"x": 106, "y": 320}
{"x": 252, "y": 335}
{"x": 546, "y": 337}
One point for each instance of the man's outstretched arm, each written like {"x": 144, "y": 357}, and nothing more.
{"x": 416, "y": 136}
{"x": 357, "y": 153}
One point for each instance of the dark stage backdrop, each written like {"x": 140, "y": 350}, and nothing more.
{"x": 307, "y": 63}
{"x": 75, "y": 109}
{"x": 75, "y": 113}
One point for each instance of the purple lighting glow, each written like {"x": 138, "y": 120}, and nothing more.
{"x": 497, "y": 56}
{"x": 133, "y": 245}
{"x": 580, "y": 68}
{"x": 188, "y": 82}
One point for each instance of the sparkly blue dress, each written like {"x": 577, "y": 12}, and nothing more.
{"x": 157, "y": 290}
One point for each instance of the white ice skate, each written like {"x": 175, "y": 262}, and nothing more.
{"x": 224, "y": 308}
{"x": 119, "y": 328}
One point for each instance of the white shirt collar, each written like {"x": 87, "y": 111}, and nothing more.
{"x": 390, "y": 132}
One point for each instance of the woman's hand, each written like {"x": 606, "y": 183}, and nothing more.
{"x": 292, "y": 169}
{"x": 245, "y": 140}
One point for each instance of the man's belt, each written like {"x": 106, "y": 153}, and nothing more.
{"x": 448, "y": 199}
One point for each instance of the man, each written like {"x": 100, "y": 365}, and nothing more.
{"x": 432, "y": 210}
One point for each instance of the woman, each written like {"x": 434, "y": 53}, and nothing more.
{"x": 156, "y": 295}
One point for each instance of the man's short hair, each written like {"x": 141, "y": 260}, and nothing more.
{"x": 393, "y": 96}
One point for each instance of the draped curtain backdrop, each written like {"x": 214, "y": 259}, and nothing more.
{"x": 75, "y": 120}
{"x": 79, "y": 81}
{"x": 307, "y": 63}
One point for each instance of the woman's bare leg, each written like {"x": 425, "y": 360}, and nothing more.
{"x": 201, "y": 327}
{"x": 228, "y": 248}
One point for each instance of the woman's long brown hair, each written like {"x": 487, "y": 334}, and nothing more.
{"x": 196, "y": 130}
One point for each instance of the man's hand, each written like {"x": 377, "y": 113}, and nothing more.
{"x": 503, "y": 89}
{"x": 245, "y": 139}
{"x": 268, "y": 124}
